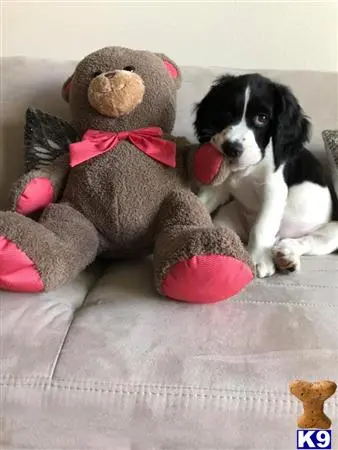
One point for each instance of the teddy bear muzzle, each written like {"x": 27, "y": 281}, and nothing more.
{"x": 116, "y": 93}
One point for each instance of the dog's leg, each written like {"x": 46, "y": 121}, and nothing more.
{"x": 214, "y": 196}
{"x": 323, "y": 241}
{"x": 229, "y": 216}
{"x": 264, "y": 233}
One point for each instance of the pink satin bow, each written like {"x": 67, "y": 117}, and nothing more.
{"x": 148, "y": 140}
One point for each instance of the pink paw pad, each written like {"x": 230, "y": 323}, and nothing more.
{"x": 38, "y": 194}
{"x": 17, "y": 271}
{"x": 207, "y": 163}
{"x": 206, "y": 279}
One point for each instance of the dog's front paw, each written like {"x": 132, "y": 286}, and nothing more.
{"x": 263, "y": 261}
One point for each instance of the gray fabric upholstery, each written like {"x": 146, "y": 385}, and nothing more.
{"x": 330, "y": 138}
{"x": 105, "y": 363}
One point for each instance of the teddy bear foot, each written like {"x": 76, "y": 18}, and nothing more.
{"x": 17, "y": 271}
{"x": 42, "y": 256}
{"x": 201, "y": 276}
{"x": 205, "y": 279}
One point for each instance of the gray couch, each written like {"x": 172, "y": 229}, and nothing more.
{"x": 105, "y": 363}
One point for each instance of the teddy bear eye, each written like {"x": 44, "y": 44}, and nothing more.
{"x": 129, "y": 68}
{"x": 97, "y": 73}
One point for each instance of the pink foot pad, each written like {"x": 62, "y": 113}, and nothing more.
{"x": 206, "y": 279}
{"x": 38, "y": 194}
{"x": 207, "y": 163}
{"x": 17, "y": 271}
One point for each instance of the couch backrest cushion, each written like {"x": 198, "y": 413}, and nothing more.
{"x": 37, "y": 82}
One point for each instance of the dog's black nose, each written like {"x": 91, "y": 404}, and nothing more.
{"x": 232, "y": 149}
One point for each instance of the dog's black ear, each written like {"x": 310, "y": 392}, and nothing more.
{"x": 292, "y": 128}
{"x": 208, "y": 114}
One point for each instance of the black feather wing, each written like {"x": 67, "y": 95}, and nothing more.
{"x": 45, "y": 138}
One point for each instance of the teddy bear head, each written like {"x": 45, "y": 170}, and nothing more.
{"x": 119, "y": 89}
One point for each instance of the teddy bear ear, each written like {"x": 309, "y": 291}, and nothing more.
{"x": 67, "y": 85}
{"x": 172, "y": 69}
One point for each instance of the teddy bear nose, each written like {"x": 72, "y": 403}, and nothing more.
{"x": 110, "y": 74}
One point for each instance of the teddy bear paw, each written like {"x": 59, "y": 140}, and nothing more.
{"x": 38, "y": 194}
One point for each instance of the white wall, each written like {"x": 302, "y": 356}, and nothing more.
{"x": 248, "y": 35}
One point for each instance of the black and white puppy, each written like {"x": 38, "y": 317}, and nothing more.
{"x": 276, "y": 197}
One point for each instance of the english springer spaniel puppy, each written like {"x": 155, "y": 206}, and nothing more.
{"x": 276, "y": 197}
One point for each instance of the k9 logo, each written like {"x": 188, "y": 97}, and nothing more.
{"x": 315, "y": 439}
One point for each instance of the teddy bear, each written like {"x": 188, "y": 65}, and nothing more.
{"x": 122, "y": 190}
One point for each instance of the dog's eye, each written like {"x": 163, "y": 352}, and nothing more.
{"x": 97, "y": 73}
{"x": 129, "y": 68}
{"x": 261, "y": 119}
{"x": 227, "y": 115}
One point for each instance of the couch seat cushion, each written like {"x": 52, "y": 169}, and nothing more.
{"x": 137, "y": 370}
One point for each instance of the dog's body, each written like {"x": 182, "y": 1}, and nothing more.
{"x": 276, "y": 196}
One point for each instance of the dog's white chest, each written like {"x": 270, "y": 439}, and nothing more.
{"x": 248, "y": 189}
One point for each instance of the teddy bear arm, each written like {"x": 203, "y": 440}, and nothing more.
{"x": 39, "y": 187}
